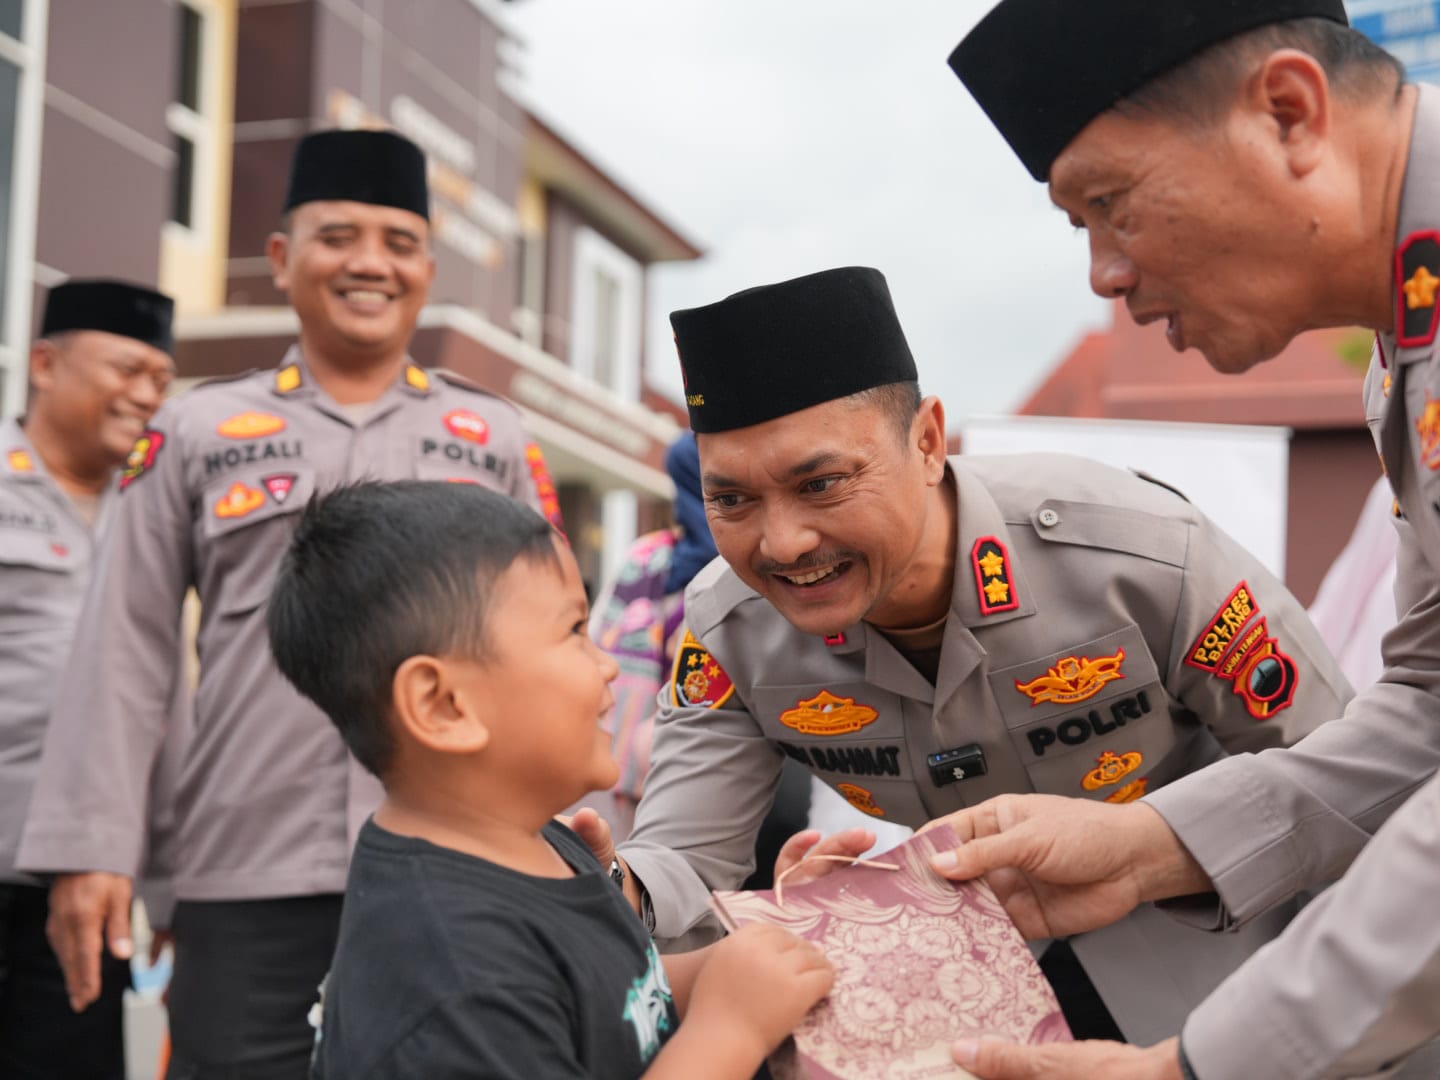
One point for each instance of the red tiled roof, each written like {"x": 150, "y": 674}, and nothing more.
{"x": 1074, "y": 387}
{"x": 1131, "y": 372}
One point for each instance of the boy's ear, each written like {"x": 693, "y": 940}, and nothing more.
{"x": 435, "y": 711}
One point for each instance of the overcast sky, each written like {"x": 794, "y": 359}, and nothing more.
{"x": 789, "y": 136}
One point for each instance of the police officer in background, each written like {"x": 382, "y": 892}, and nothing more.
{"x": 98, "y": 372}
{"x": 269, "y": 801}
{"x": 1247, "y": 172}
{"x": 923, "y": 633}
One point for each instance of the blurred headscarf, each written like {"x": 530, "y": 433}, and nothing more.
{"x": 696, "y": 546}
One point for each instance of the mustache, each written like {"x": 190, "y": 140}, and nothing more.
{"x": 809, "y": 562}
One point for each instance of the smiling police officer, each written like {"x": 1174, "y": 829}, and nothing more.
{"x": 923, "y": 633}
{"x": 269, "y": 800}
{"x": 1247, "y": 171}
{"x": 98, "y": 372}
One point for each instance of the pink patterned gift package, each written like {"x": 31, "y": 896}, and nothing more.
{"x": 920, "y": 962}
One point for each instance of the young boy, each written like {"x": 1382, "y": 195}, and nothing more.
{"x": 442, "y": 627}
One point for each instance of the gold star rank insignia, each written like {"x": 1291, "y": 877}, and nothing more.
{"x": 1420, "y": 289}
{"x": 994, "y": 581}
{"x": 992, "y": 564}
{"x": 1417, "y": 288}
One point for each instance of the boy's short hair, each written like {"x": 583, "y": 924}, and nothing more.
{"x": 379, "y": 572}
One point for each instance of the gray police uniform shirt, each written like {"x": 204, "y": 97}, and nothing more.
{"x": 268, "y": 802}
{"x": 1355, "y": 982}
{"x": 1104, "y": 638}
{"x": 46, "y": 548}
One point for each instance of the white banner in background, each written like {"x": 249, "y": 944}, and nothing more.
{"x": 1239, "y": 475}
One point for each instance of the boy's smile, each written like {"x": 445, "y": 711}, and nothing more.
{"x": 550, "y": 682}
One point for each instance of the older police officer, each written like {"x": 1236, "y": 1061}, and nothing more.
{"x": 1246, "y": 172}
{"x": 923, "y": 633}
{"x": 98, "y": 372}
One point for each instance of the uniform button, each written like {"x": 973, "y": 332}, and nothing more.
{"x": 1049, "y": 518}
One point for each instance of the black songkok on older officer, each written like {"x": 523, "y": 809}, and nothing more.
{"x": 776, "y": 349}
{"x": 376, "y": 167}
{"x": 114, "y": 307}
{"x": 1043, "y": 69}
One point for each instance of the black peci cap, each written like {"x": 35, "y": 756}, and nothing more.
{"x": 114, "y": 307}
{"x": 1043, "y": 69}
{"x": 378, "y": 167}
{"x": 777, "y": 349}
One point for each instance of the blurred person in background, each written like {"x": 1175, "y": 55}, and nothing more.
{"x": 98, "y": 372}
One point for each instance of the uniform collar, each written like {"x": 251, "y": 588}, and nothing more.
{"x": 1417, "y": 250}
{"x": 292, "y": 379}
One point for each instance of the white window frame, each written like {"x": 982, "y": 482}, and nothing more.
{"x": 29, "y": 56}
{"x": 200, "y": 127}
{"x": 593, "y": 252}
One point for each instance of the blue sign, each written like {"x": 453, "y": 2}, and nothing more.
{"x": 1408, "y": 29}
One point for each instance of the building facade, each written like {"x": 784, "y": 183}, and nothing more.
{"x": 151, "y": 139}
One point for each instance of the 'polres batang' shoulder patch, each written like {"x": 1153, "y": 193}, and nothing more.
{"x": 1237, "y": 647}
{"x": 698, "y": 682}
{"x": 142, "y": 457}
{"x": 544, "y": 485}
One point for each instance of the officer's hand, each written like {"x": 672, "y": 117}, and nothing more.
{"x": 594, "y": 830}
{"x": 1062, "y": 866}
{"x": 87, "y": 911}
{"x": 803, "y": 847}
{"x": 991, "y": 1059}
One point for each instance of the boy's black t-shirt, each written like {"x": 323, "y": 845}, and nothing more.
{"x": 451, "y": 966}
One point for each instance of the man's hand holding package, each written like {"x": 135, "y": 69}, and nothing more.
{"x": 1062, "y": 866}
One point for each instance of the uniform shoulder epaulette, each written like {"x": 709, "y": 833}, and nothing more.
{"x": 1143, "y": 475}
{"x": 1074, "y": 500}
{"x": 455, "y": 379}
{"x": 222, "y": 380}
{"x": 712, "y": 595}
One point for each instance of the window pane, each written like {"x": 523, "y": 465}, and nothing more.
{"x": 12, "y": 13}
{"x": 607, "y": 328}
{"x": 183, "y": 206}
{"x": 188, "y": 92}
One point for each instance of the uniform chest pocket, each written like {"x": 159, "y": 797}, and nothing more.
{"x": 33, "y": 549}
{"x": 842, "y": 732}
{"x": 1090, "y": 719}
{"x": 232, "y": 510}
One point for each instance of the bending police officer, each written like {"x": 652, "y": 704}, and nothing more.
{"x": 1219, "y": 157}
{"x": 923, "y": 633}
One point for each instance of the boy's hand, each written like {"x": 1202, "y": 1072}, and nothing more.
{"x": 801, "y": 848}
{"x": 758, "y": 984}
